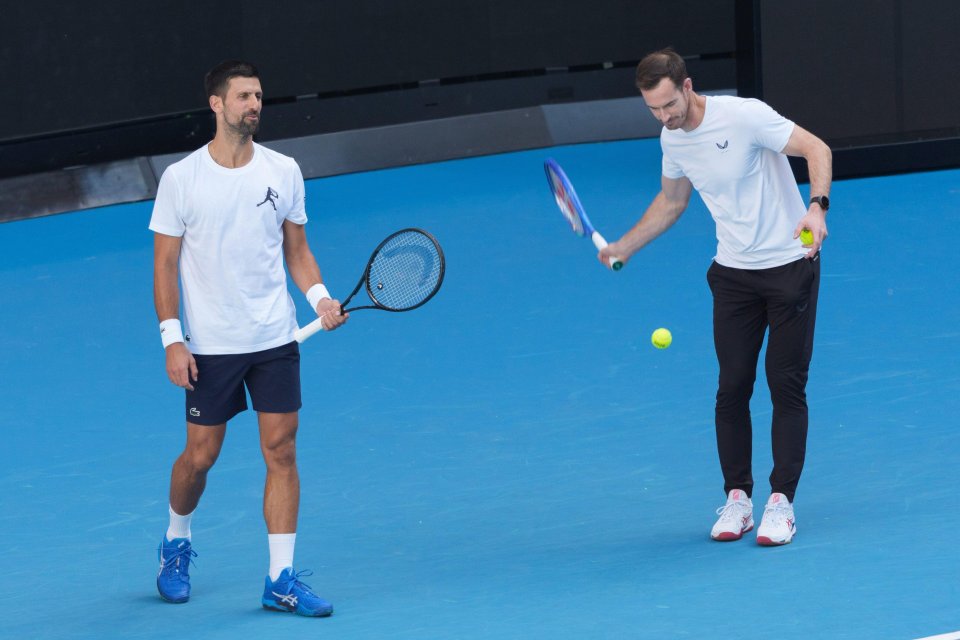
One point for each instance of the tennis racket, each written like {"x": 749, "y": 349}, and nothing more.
{"x": 403, "y": 273}
{"x": 572, "y": 210}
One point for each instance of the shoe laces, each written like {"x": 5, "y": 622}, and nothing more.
{"x": 301, "y": 586}
{"x": 776, "y": 514}
{"x": 730, "y": 510}
{"x": 173, "y": 561}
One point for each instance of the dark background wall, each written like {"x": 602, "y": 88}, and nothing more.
{"x": 104, "y": 80}
{"x": 136, "y": 68}
{"x": 875, "y": 78}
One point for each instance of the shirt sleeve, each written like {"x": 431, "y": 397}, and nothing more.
{"x": 167, "y": 216}
{"x": 298, "y": 206}
{"x": 770, "y": 129}
{"x": 670, "y": 168}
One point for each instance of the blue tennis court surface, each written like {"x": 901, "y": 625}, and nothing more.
{"x": 513, "y": 460}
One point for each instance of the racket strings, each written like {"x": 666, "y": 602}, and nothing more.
{"x": 564, "y": 201}
{"x": 406, "y": 271}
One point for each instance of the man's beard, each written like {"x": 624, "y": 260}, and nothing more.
{"x": 245, "y": 128}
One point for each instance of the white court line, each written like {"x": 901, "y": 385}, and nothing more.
{"x": 944, "y": 636}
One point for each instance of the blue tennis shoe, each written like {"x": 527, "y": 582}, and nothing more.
{"x": 173, "y": 580}
{"x": 291, "y": 595}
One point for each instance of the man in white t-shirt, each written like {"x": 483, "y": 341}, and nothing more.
{"x": 733, "y": 152}
{"x": 226, "y": 218}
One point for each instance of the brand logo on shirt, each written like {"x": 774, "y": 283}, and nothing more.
{"x": 271, "y": 194}
{"x": 722, "y": 147}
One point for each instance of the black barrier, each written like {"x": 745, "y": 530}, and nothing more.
{"x": 103, "y": 80}
{"x": 871, "y": 77}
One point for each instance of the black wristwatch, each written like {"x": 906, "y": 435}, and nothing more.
{"x": 823, "y": 201}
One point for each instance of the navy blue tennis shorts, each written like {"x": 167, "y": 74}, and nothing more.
{"x": 272, "y": 377}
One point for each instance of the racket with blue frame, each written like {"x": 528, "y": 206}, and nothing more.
{"x": 572, "y": 210}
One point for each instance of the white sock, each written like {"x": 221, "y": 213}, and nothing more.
{"x": 179, "y": 525}
{"x": 281, "y": 552}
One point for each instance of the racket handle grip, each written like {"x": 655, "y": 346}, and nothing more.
{"x": 303, "y": 333}
{"x": 600, "y": 243}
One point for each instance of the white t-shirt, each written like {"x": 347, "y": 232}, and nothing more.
{"x": 232, "y": 277}
{"x": 733, "y": 160}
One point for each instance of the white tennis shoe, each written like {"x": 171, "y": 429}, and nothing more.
{"x": 736, "y": 517}
{"x": 778, "y": 525}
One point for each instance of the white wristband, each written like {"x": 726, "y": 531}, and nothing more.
{"x": 170, "y": 332}
{"x": 316, "y": 293}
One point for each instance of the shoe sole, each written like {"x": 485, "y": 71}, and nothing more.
{"x": 322, "y": 614}
{"x": 767, "y": 542}
{"x": 174, "y": 601}
{"x": 764, "y": 541}
{"x": 729, "y": 536}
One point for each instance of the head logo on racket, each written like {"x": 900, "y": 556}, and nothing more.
{"x": 403, "y": 273}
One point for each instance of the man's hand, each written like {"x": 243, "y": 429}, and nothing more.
{"x": 330, "y": 316}
{"x": 816, "y": 222}
{"x": 181, "y": 365}
{"x": 612, "y": 250}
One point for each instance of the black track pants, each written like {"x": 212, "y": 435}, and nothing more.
{"x": 745, "y": 304}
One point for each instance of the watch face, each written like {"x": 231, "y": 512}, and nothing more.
{"x": 823, "y": 201}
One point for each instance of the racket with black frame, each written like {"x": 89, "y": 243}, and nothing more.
{"x": 403, "y": 273}
{"x": 572, "y": 210}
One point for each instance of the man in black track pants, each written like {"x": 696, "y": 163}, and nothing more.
{"x": 734, "y": 152}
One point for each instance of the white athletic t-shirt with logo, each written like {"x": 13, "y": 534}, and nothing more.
{"x": 233, "y": 282}
{"x": 733, "y": 160}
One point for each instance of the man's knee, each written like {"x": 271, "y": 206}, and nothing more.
{"x": 280, "y": 454}
{"x": 202, "y": 453}
{"x": 735, "y": 386}
{"x": 278, "y": 439}
{"x": 788, "y": 389}
{"x": 200, "y": 458}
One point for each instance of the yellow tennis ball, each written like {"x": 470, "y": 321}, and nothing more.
{"x": 806, "y": 236}
{"x": 661, "y": 338}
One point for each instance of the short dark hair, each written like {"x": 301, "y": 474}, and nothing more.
{"x": 658, "y": 65}
{"x": 217, "y": 79}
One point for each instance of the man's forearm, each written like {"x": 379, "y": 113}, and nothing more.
{"x": 166, "y": 293}
{"x": 820, "y": 168}
{"x": 659, "y": 216}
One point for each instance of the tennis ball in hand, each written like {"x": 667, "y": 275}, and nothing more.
{"x": 661, "y": 338}
{"x": 806, "y": 236}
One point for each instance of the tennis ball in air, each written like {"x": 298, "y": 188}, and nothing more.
{"x": 661, "y": 338}
{"x": 806, "y": 236}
